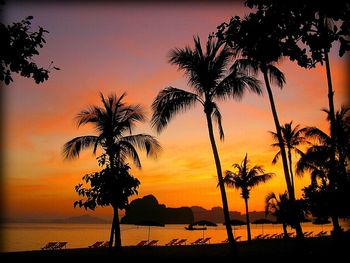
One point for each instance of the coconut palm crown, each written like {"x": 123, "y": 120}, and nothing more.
{"x": 245, "y": 178}
{"x": 292, "y": 139}
{"x": 113, "y": 123}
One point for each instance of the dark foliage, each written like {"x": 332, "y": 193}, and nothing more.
{"x": 18, "y": 46}
{"x": 107, "y": 187}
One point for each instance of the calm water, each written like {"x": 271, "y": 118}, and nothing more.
{"x": 22, "y": 237}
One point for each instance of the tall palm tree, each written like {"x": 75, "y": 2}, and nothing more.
{"x": 292, "y": 138}
{"x": 257, "y": 41}
{"x": 245, "y": 178}
{"x": 114, "y": 123}
{"x": 210, "y": 80}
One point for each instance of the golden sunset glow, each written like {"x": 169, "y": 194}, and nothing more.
{"x": 116, "y": 48}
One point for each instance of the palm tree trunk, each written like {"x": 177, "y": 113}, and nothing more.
{"x": 118, "y": 242}
{"x": 291, "y": 170}
{"x": 230, "y": 237}
{"x": 332, "y": 180}
{"x": 247, "y": 219}
{"x": 282, "y": 149}
{"x": 279, "y": 134}
{"x": 285, "y": 232}
{"x": 111, "y": 236}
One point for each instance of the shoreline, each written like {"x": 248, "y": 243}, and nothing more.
{"x": 319, "y": 248}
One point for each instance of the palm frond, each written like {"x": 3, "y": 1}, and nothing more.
{"x": 144, "y": 142}
{"x": 247, "y": 66}
{"x": 127, "y": 117}
{"x": 235, "y": 84}
{"x": 217, "y": 117}
{"x": 276, "y": 157}
{"x": 276, "y": 76}
{"x": 88, "y": 115}
{"x": 315, "y": 133}
{"x": 270, "y": 196}
{"x": 169, "y": 102}
{"x": 127, "y": 150}
{"x": 262, "y": 178}
{"x": 72, "y": 149}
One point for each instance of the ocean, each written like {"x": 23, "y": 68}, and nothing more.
{"x": 25, "y": 237}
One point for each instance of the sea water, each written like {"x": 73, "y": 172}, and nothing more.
{"x": 24, "y": 237}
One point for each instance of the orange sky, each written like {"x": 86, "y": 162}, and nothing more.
{"x": 124, "y": 47}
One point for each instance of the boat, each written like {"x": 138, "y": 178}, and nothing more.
{"x": 195, "y": 228}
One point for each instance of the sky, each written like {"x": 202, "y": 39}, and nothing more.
{"x": 123, "y": 47}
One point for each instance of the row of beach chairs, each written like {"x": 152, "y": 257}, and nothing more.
{"x": 179, "y": 242}
{"x": 147, "y": 243}
{"x": 175, "y": 242}
{"x": 54, "y": 245}
{"x": 290, "y": 234}
{"x": 237, "y": 238}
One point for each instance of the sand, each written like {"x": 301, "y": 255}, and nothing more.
{"x": 311, "y": 249}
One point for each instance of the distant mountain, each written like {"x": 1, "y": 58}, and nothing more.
{"x": 216, "y": 214}
{"x": 84, "y": 219}
{"x": 148, "y": 209}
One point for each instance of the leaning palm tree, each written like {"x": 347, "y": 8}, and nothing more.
{"x": 114, "y": 123}
{"x": 245, "y": 178}
{"x": 292, "y": 138}
{"x": 210, "y": 80}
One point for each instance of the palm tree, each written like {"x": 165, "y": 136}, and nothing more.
{"x": 210, "y": 80}
{"x": 292, "y": 138}
{"x": 114, "y": 123}
{"x": 258, "y": 42}
{"x": 278, "y": 207}
{"x": 245, "y": 178}
{"x": 318, "y": 160}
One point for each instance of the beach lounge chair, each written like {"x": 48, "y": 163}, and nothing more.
{"x": 198, "y": 241}
{"x": 180, "y": 242}
{"x": 60, "y": 245}
{"x": 142, "y": 243}
{"x": 237, "y": 238}
{"x": 225, "y": 241}
{"x": 171, "y": 242}
{"x": 205, "y": 241}
{"x": 96, "y": 244}
{"x": 291, "y": 234}
{"x": 308, "y": 234}
{"x": 279, "y": 236}
{"x": 258, "y": 236}
{"x": 105, "y": 244}
{"x": 152, "y": 243}
{"x": 49, "y": 245}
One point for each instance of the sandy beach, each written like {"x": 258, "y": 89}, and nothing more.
{"x": 314, "y": 249}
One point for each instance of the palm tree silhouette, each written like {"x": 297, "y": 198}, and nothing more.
{"x": 114, "y": 123}
{"x": 292, "y": 138}
{"x": 318, "y": 160}
{"x": 208, "y": 77}
{"x": 278, "y": 207}
{"x": 245, "y": 178}
{"x": 257, "y": 41}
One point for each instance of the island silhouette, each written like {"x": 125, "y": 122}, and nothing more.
{"x": 148, "y": 208}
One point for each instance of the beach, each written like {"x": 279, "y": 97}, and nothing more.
{"x": 313, "y": 249}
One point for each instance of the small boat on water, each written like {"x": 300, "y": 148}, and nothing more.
{"x": 195, "y": 228}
